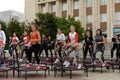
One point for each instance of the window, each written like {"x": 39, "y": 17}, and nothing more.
{"x": 76, "y": 4}
{"x": 117, "y": 16}
{"x": 117, "y": 1}
{"x": 89, "y": 18}
{"x": 53, "y": 8}
{"x": 43, "y": 9}
{"x": 89, "y": 3}
{"x": 64, "y": 6}
{"x": 40, "y": 0}
{"x": 103, "y": 17}
{"x": 103, "y": 2}
{"x": 77, "y": 18}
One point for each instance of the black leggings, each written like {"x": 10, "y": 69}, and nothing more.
{"x": 25, "y": 48}
{"x": 50, "y": 49}
{"x": 12, "y": 48}
{"x": 101, "y": 49}
{"x": 86, "y": 51}
{"x": 118, "y": 53}
{"x": 113, "y": 49}
{"x": 34, "y": 48}
{"x": 44, "y": 47}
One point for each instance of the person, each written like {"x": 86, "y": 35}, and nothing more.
{"x": 100, "y": 42}
{"x": 25, "y": 45}
{"x": 60, "y": 43}
{"x": 44, "y": 46}
{"x": 88, "y": 44}
{"x": 14, "y": 43}
{"x": 10, "y": 48}
{"x": 118, "y": 48}
{"x": 35, "y": 39}
{"x": 50, "y": 45}
{"x": 114, "y": 45}
{"x": 2, "y": 46}
{"x": 73, "y": 44}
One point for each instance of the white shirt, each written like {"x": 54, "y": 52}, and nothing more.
{"x": 3, "y": 36}
{"x": 60, "y": 37}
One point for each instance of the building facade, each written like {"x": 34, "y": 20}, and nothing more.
{"x": 93, "y": 14}
{"x": 6, "y": 16}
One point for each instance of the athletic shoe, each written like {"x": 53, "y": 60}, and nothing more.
{"x": 64, "y": 63}
{"x": 38, "y": 67}
{"x": 56, "y": 61}
{"x": 47, "y": 59}
{"x": 28, "y": 65}
{"x": 93, "y": 63}
{"x": 10, "y": 58}
{"x": 79, "y": 66}
{"x": 3, "y": 66}
{"x": 20, "y": 60}
{"x": 103, "y": 64}
{"x": 67, "y": 64}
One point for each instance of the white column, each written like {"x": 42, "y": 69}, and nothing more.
{"x": 69, "y": 7}
{"x": 58, "y": 8}
{"x": 82, "y": 13}
{"x": 110, "y": 18}
{"x": 96, "y": 16}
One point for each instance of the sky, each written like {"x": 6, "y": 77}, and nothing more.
{"x": 17, "y": 5}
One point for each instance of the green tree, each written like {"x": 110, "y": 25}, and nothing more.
{"x": 47, "y": 24}
{"x": 15, "y": 26}
{"x": 65, "y": 24}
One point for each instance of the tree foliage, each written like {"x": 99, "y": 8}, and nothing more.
{"x": 48, "y": 25}
{"x": 15, "y": 26}
{"x": 64, "y": 25}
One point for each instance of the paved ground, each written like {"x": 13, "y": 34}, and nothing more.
{"x": 106, "y": 75}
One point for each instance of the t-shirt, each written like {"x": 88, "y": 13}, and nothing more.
{"x": 2, "y": 37}
{"x": 88, "y": 40}
{"x": 60, "y": 37}
{"x": 26, "y": 40}
{"x": 15, "y": 41}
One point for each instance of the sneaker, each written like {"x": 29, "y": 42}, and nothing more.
{"x": 67, "y": 64}
{"x": 28, "y": 65}
{"x": 20, "y": 60}
{"x": 3, "y": 66}
{"x": 103, "y": 64}
{"x": 79, "y": 66}
{"x": 38, "y": 67}
{"x": 93, "y": 63}
{"x": 47, "y": 59}
{"x": 56, "y": 61}
{"x": 64, "y": 63}
{"x": 10, "y": 58}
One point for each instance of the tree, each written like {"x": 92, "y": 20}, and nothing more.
{"x": 15, "y": 26}
{"x": 47, "y": 24}
{"x": 65, "y": 24}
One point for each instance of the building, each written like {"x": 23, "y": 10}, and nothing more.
{"x": 93, "y": 14}
{"x": 6, "y": 16}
